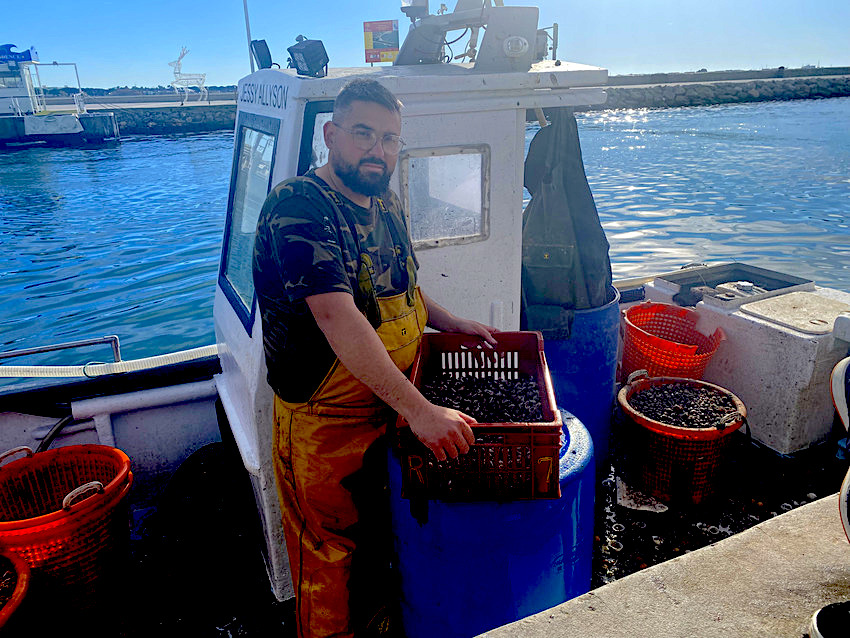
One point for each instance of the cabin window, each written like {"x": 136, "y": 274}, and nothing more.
{"x": 253, "y": 160}
{"x": 10, "y": 79}
{"x": 319, "y": 156}
{"x": 445, "y": 192}
{"x": 313, "y": 152}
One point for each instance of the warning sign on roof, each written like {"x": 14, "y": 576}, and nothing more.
{"x": 381, "y": 38}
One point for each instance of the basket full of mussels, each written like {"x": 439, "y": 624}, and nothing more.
{"x": 678, "y": 434}
{"x": 507, "y": 389}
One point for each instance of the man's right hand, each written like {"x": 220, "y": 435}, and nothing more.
{"x": 444, "y": 431}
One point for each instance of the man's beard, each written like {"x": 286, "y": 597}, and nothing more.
{"x": 366, "y": 184}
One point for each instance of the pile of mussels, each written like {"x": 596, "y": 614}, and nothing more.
{"x": 685, "y": 406}
{"x": 486, "y": 399}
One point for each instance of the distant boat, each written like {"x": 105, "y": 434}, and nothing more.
{"x": 24, "y": 118}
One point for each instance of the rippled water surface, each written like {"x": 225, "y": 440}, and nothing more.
{"x": 125, "y": 239}
{"x": 767, "y": 184}
{"x": 120, "y": 240}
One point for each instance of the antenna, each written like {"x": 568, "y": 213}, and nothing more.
{"x": 248, "y": 31}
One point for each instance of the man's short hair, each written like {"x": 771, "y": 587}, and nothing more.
{"x": 365, "y": 90}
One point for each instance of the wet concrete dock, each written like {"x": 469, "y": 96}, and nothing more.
{"x": 766, "y": 581}
{"x": 165, "y": 117}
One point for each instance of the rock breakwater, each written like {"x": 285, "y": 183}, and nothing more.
{"x": 624, "y": 92}
{"x": 702, "y": 94}
{"x": 168, "y": 120}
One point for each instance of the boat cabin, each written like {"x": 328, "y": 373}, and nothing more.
{"x": 459, "y": 176}
{"x": 19, "y": 95}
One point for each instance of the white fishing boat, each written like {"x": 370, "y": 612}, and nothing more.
{"x": 24, "y": 117}
{"x": 198, "y": 423}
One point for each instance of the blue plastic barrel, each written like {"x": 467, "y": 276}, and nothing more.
{"x": 584, "y": 368}
{"x": 475, "y": 566}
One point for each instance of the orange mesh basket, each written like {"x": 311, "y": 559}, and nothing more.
{"x": 672, "y": 463}
{"x": 16, "y": 564}
{"x": 63, "y": 511}
{"x": 663, "y": 340}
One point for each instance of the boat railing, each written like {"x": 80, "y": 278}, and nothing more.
{"x": 110, "y": 339}
{"x": 16, "y": 107}
{"x": 80, "y": 103}
{"x": 35, "y": 91}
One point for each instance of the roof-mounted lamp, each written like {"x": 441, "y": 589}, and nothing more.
{"x": 414, "y": 9}
{"x": 309, "y": 57}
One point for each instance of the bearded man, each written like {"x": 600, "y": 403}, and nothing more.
{"x": 342, "y": 317}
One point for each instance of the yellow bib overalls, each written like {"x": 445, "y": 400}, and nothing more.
{"x": 318, "y": 444}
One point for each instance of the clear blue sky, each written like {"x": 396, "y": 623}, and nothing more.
{"x": 127, "y": 42}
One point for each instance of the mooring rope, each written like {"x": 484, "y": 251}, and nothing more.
{"x": 99, "y": 369}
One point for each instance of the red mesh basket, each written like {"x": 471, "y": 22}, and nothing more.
{"x": 21, "y": 571}
{"x": 63, "y": 511}
{"x": 508, "y": 461}
{"x": 663, "y": 340}
{"x": 672, "y": 463}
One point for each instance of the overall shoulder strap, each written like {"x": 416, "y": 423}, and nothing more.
{"x": 365, "y": 297}
{"x": 405, "y": 261}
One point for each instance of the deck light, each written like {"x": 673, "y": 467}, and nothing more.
{"x": 309, "y": 57}
{"x": 515, "y": 46}
{"x": 414, "y": 9}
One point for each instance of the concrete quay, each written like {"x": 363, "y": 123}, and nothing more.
{"x": 765, "y": 581}
{"x": 167, "y": 117}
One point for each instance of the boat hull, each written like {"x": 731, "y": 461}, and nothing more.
{"x": 60, "y": 130}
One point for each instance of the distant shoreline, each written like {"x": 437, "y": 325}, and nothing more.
{"x": 166, "y": 94}
{"x": 719, "y": 76}
{"x": 163, "y": 114}
{"x": 722, "y": 88}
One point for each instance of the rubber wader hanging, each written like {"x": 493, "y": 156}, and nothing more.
{"x": 565, "y": 263}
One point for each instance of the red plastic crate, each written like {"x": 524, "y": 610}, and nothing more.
{"x": 663, "y": 340}
{"x": 508, "y": 461}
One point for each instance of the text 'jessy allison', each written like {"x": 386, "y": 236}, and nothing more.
{"x": 273, "y": 95}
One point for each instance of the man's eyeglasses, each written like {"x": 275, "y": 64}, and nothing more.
{"x": 365, "y": 140}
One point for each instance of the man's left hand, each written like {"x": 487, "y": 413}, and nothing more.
{"x": 470, "y": 327}
{"x": 441, "y": 319}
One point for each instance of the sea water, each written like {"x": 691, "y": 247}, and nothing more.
{"x": 125, "y": 239}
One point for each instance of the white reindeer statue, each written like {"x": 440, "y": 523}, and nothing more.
{"x": 185, "y": 80}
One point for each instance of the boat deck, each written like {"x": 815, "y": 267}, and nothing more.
{"x": 195, "y": 567}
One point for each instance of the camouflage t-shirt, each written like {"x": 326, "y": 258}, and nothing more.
{"x": 305, "y": 247}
